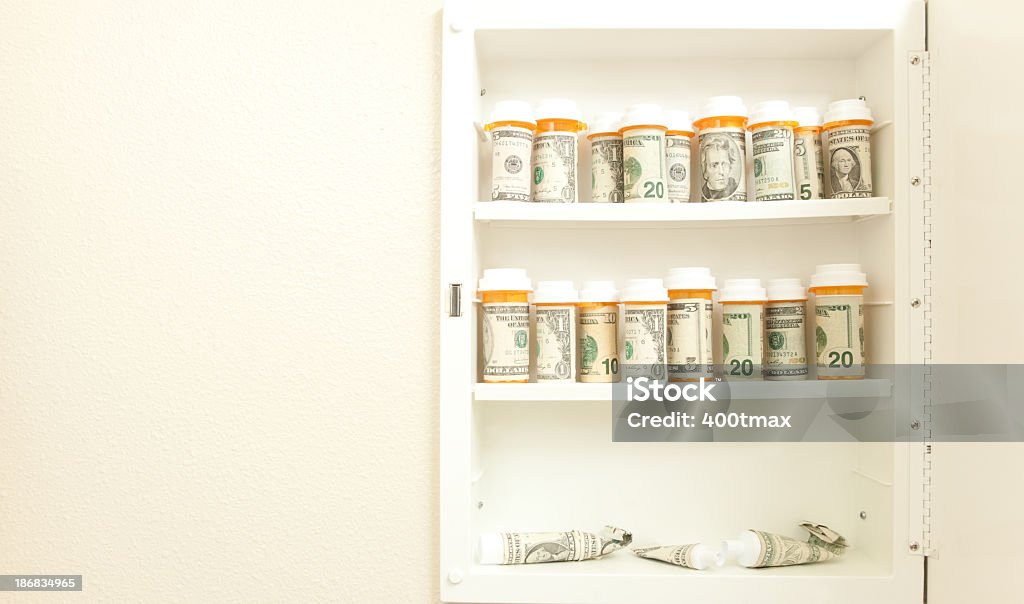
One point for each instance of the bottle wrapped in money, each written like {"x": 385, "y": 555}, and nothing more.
{"x": 606, "y": 158}
{"x": 504, "y": 293}
{"x": 810, "y": 172}
{"x": 839, "y": 321}
{"x": 743, "y": 303}
{"x": 785, "y": 316}
{"x": 556, "y": 303}
{"x": 645, "y": 309}
{"x": 565, "y": 546}
{"x": 695, "y": 555}
{"x": 511, "y": 129}
{"x": 643, "y": 153}
{"x": 722, "y": 149}
{"x": 771, "y": 135}
{"x": 678, "y": 140}
{"x": 847, "y": 142}
{"x": 759, "y": 549}
{"x": 599, "y": 332}
{"x": 555, "y": 149}
{"x": 690, "y": 311}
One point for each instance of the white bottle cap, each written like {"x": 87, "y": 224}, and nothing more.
{"x": 564, "y": 109}
{"x": 807, "y": 116}
{"x": 771, "y": 111}
{"x": 691, "y": 277}
{"x": 742, "y": 290}
{"x": 705, "y": 557}
{"x": 644, "y": 290}
{"x": 644, "y": 114}
{"x": 556, "y": 291}
{"x": 838, "y": 275}
{"x": 505, "y": 279}
{"x": 512, "y": 111}
{"x": 847, "y": 109}
{"x": 489, "y": 549}
{"x": 679, "y": 120}
{"x": 786, "y": 289}
{"x": 722, "y": 106}
{"x": 744, "y": 550}
{"x": 609, "y": 121}
{"x": 599, "y": 291}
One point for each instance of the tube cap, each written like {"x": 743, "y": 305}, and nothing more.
{"x": 505, "y": 279}
{"x": 691, "y": 277}
{"x": 599, "y": 291}
{"x": 744, "y": 550}
{"x": 771, "y": 111}
{"x": 705, "y": 557}
{"x": 556, "y": 291}
{"x": 679, "y": 120}
{"x": 807, "y": 116}
{"x": 847, "y": 109}
{"x": 644, "y": 113}
{"x": 609, "y": 121}
{"x": 512, "y": 111}
{"x": 742, "y": 290}
{"x": 645, "y": 290}
{"x": 558, "y": 109}
{"x": 838, "y": 275}
{"x": 723, "y": 105}
{"x": 786, "y": 289}
{"x": 489, "y": 549}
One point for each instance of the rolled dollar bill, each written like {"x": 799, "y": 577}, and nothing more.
{"x": 759, "y": 549}
{"x": 695, "y": 555}
{"x": 565, "y": 546}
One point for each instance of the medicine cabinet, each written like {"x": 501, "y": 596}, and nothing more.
{"x": 538, "y": 457}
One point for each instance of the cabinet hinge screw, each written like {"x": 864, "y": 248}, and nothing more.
{"x": 915, "y": 303}
{"x": 863, "y": 515}
{"x": 483, "y": 91}
{"x": 914, "y": 546}
{"x": 914, "y": 60}
{"x": 915, "y": 425}
{"x": 915, "y": 181}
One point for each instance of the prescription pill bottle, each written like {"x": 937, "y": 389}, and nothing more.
{"x": 606, "y": 158}
{"x": 810, "y": 172}
{"x": 504, "y": 293}
{"x": 690, "y": 312}
{"x": 643, "y": 153}
{"x": 785, "y": 356}
{"x": 678, "y": 140}
{"x": 722, "y": 149}
{"x": 645, "y": 308}
{"x": 599, "y": 332}
{"x": 511, "y": 129}
{"x": 743, "y": 302}
{"x": 555, "y": 151}
{"x": 847, "y": 140}
{"x": 556, "y": 303}
{"x": 839, "y": 320}
{"x": 771, "y": 142}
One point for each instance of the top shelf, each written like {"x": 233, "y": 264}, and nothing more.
{"x": 678, "y": 215}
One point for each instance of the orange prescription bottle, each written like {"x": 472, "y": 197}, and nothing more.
{"x": 677, "y": 156}
{"x": 771, "y": 142}
{"x": 743, "y": 303}
{"x": 839, "y": 320}
{"x": 847, "y": 142}
{"x": 645, "y": 306}
{"x": 555, "y": 152}
{"x": 556, "y": 304}
{"x": 643, "y": 153}
{"x": 785, "y": 316}
{"x": 606, "y": 158}
{"x": 504, "y": 294}
{"x": 810, "y": 172}
{"x": 690, "y": 311}
{"x": 599, "y": 332}
{"x": 722, "y": 149}
{"x": 511, "y": 129}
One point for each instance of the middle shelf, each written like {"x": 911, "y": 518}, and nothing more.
{"x": 574, "y": 391}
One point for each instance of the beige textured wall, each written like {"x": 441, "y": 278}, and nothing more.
{"x": 217, "y": 218}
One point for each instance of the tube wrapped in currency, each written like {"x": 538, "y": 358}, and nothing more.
{"x": 566, "y": 546}
{"x": 758, "y": 549}
{"x": 695, "y": 555}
